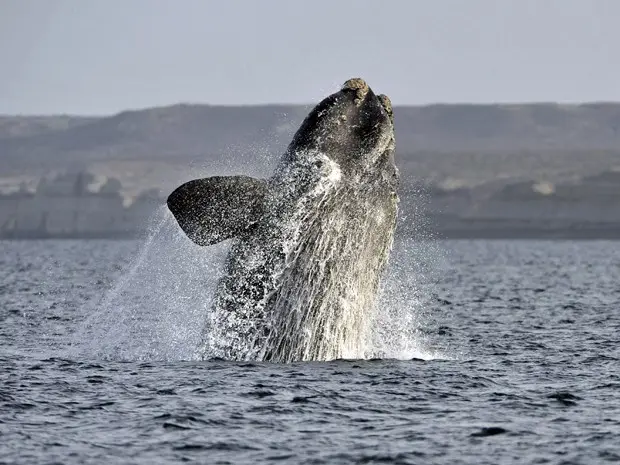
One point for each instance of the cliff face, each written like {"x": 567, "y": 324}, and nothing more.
{"x": 586, "y": 207}
{"x": 68, "y": 207}
{"x": 65, "y": 207}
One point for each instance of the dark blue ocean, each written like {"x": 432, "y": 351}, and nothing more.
{"x": 492, "y": 352}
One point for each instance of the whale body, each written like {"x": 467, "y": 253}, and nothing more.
{"x": 309, "y": 244}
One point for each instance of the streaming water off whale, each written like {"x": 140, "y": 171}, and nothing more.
{"x": 494, "y": 352}
{"x": 158, "y": 308}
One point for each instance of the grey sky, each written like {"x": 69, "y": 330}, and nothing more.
{"x": 102, "y": 56}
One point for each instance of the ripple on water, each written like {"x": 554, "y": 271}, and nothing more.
{"x": 512, "y": 360}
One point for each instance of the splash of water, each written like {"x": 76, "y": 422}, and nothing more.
{"x": 405, "y": 298}
{"x": 159, "y": 307}
{"x": 156, "y": 309}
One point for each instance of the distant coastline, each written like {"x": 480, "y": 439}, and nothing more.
{"x": 526, "y": 171}
{"x": 75, "y": 206}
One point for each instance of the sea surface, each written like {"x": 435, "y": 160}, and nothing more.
{"x": 486, "y": 352}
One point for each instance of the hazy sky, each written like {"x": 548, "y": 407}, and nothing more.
{"x": 102, "y": 56}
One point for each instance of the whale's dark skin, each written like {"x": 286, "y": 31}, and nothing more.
{"x": 309, "y": 243}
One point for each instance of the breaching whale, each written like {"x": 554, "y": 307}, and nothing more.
{"x": 309, "y": 244}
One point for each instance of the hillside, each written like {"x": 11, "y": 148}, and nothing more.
{"x": 24, "y": 126}
{"x": 532, "y": 170}
{"x": 209, "y": 132}
{"x": 481, "y": 166}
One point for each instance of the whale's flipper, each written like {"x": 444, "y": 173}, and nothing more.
{"x": 214, "y": 209}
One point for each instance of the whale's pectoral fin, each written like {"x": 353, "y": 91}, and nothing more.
{"x": 214, "y": 209}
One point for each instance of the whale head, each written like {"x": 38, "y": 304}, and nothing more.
{"x": 354, "y": 127}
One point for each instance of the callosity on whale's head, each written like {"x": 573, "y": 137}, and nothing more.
{"x": 354, "y": 127}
